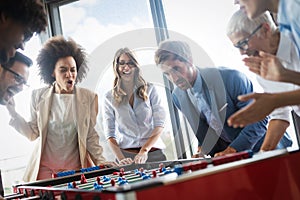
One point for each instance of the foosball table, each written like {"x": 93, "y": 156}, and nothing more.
{"x": 269, "y": 175}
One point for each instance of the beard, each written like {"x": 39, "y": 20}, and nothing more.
{"x": 183, "y": 84}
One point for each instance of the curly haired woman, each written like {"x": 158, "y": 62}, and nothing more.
{"x": 63, "y": 115}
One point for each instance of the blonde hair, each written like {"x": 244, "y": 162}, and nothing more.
{"x": 139, "y": 82}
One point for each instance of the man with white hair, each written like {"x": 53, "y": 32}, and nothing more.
{"x": 268, "y": 65}
{"x": 261, "y": 34}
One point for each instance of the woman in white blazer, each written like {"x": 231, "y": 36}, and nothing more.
{"x": 63, "y": 116}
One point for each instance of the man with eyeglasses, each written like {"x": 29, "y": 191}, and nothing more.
{"x": 13, "y": 75}
{"x": 269, "y": 66}
{"x": 243, "y": 44}
{"x": 266, "y": 37}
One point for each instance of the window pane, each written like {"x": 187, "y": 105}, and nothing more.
{"x": 102, "y": 27}
{"x": 206, "y": 27}
{"x": 98, "y": 21}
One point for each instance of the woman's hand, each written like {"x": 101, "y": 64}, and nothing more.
{"x": 110, "y": 164}
{"x": 141, "y": 157}
{"x": 125, "y": 161}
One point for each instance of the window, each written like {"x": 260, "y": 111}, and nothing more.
{"x": 204, "y": 23}
{"x": 102, "y": 27}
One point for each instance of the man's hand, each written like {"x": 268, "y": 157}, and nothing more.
{"x": 228, "y": 150}
{"x": 262, "y": 105}
{"x": 199, "y": 153}
{"x": 11, "y": 107}
{"x": 267, "y": 66}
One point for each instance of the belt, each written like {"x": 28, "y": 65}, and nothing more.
{"x": 137, "y": 150}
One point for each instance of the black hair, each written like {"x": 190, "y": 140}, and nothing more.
{"x": 18, "y": 57}
{"x": 59, "y": 47}
{"x": 29, "y": 13}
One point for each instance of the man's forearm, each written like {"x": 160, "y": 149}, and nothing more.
{"x": 290, "y": 76}
{"x": 286, "y": 98}
{"x": 276, "y": 130}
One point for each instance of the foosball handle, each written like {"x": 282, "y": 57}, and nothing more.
{"x": 232, "y": 157}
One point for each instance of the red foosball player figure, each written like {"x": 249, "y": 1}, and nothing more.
{"x": 83, "y": 179}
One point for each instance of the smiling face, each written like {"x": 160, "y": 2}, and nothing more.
{"x": 251, "y": 43}
{"x": 65, "y": 73}
{"x": 126, "y": 68}
{"x": 254, "y": 45}
{"x": 12, "y": 81}
{"x": 181, "y": 73}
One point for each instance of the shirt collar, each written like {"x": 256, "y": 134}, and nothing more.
{"x": 197, "y": 84}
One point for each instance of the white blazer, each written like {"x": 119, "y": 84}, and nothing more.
{"x": 90, "y": 151}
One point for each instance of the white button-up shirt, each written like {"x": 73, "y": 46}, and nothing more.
{"x": 132, "y": 126}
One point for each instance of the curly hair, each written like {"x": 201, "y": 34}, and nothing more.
{"x": 58, "y": 47}
{"x": 140, "y": 83}
{"x": 30, "y": 13}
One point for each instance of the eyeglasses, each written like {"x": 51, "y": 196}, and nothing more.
{"x": 18, "y": 78}
{"x": 129, "y": 63}
{"x": 243, "y": 44}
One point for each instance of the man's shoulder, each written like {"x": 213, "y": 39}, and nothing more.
{"x": 226, "y": 71}
{"x": 221, "y": 70}
{"x": 211, "y": 74}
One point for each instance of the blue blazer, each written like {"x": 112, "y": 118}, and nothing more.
{"x": 221, "y": 87}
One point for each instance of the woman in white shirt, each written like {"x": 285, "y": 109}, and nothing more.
{"x": 134, "y": 118}
{"x": 63, "y": 116}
